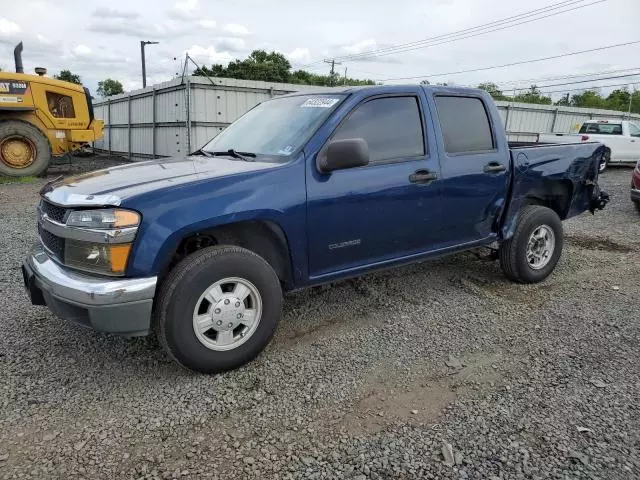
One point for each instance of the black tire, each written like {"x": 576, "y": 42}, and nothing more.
{"x": 604, "y": 162}
{"x": 37, "y": 141}
{"x": 513, "y": 257}
{"x": 637, "y": 204}
{"x": 181, "y": 290}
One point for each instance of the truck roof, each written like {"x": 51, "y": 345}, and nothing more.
{"x": 26, "y": 77}
{"x": 388, "y": 89}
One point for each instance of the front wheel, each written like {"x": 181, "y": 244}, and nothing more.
{"x": 533, "y": 251}
{"x": 218, "y": 309}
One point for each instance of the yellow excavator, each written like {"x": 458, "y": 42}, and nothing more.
{"x": 41, "y": 118}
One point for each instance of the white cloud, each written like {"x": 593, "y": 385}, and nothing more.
{"x": 8, "y": 28}
{"x": 360, "y": 47}
{"x": 186, "y": 9}
{"x": 106, "y": 12}
{"x": 209, "y": 55}
{"x": 138, "y": 28}
{"x": 229, "y": 44}
{"x": 81, "y": 51}
{"x": 44, "y": 40}
{"x": 300, "y": 56}
{"x": 236, "y": 29}
{"x": 210, "y": 24}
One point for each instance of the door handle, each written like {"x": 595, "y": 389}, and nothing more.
{"x": 494, "y": 167}
{"x": 422, "y": 176}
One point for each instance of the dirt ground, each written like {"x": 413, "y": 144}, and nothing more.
{"x": 369, "y": 378}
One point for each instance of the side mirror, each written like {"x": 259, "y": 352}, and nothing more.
{"x": 341, "y": 154}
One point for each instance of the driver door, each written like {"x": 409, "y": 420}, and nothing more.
{"x": 367, "y": 216}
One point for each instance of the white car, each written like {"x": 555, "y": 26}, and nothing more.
{"x": 621, "y": 137}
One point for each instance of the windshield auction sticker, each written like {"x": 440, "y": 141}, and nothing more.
{"x": 320, "y": 102}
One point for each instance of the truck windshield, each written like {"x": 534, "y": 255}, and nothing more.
{"x": 277, "y": 127}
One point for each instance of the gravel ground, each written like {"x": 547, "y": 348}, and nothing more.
{"x": 370, "y": 378}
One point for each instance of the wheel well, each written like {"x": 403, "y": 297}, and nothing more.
{"x": 265, "y": 238}
{"x": 554, "y": 195}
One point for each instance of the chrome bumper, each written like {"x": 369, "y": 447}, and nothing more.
{"x": 115, "y": 305}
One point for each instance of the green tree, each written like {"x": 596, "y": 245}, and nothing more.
{"x": 588, "y": 99}
{"x": 533, "y": 96}
{"x": 565, "y": 101}
{"x": 274, "y": 67}
{"x": 493, "y": 90}
{"x": 67, "y": 76}
{"x": 618, "y": 100}
{"x": 109, "y": 87}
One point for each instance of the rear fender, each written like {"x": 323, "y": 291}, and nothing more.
{"x": 561, "y": 177}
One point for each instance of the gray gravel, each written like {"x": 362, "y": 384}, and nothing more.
{"x": 374, "y": 378}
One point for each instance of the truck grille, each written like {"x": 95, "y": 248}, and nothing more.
{"x": 52, "y": 211}
{"x": 52, "y": 243}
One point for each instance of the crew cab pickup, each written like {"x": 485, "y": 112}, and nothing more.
{"x": 302, "y": 190}
{"x": 621, "y": 139}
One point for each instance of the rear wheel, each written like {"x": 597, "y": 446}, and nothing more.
{"x": 533, "y": 251}
{"x": 24, "y": 150}
{"x": 637, "y": 204}
{"x": 604, "y": 161}
{"x": 218, "y": 309}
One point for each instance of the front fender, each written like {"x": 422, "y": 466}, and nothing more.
{"x": 170, "y": 215}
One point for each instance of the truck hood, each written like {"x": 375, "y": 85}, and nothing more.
{"x": 112, "y": 185}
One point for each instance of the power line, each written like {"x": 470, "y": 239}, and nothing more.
{"x": 578, "y": 81}
{"x": 458, "y": 32}
{"x": 470, "y": 32}
{"x": 563, "y": 77}
{"x": 471, "y": 35}
{"x": 522, "y": 62}
{"x": 586, "y": 89}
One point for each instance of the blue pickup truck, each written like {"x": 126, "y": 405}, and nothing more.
{"x": 302, "y": 190}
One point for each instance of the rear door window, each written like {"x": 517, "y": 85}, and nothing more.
{"x": 602, "y": 128}
{"x": 465, "y": 124}
{"x": 392, "y": 127}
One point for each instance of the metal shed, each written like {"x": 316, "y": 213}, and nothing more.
{"x": 155, "y": 121}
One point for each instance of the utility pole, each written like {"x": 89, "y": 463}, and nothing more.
{"x": 144, "y": 67}
{"x": 631, "y": 90}
{"x": 345, "y": 76}
{"x": 333, "y": 64}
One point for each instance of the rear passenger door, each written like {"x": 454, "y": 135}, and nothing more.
{"x": 475, "y": 169}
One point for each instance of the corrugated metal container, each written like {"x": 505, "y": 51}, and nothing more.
{"x": 160, "y": 123}
{"x": 155, "y": 122}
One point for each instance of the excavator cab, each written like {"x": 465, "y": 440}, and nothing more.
{"x": 41, "y": 118}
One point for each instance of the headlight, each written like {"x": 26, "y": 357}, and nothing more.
{"x": 103, "y": 219}
{"x": 109, "y": 259}
{"x": 104, "y": 244}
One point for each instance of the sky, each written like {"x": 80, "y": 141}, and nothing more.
{"x": 97, "y": 41}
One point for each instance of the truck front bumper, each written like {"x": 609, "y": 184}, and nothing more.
{"x": 115, "y": 305}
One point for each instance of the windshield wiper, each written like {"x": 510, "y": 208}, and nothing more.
{"x": 201, "y": 152}
{"x": 246, "y": 156}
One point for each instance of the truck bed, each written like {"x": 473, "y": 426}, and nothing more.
{"x": 562, "y": 173}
